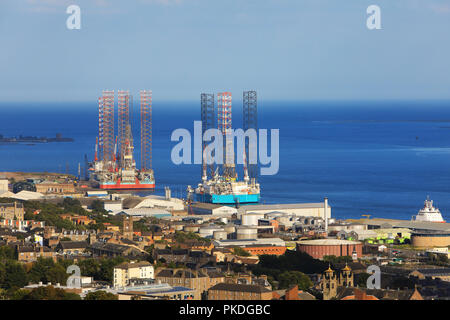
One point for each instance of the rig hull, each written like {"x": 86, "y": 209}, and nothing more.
{"x": 127, "y": 186}
{"x": 228, "y": 198}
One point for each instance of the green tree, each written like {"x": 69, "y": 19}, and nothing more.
{"x": 97, "y": 206}
{"x": 289, "y": 278}
{"x": 241, "y": 252}
{"x": 101, "y": 295}
{"x": 361, "y": 279}
{"x": 7, "y": 252}
{"x": 13, "y": 276}
{"x": 46, "y": 270}
{"x": 50, "y": 293}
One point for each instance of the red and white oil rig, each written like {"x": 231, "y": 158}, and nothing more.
{"x": 114, "y": 166}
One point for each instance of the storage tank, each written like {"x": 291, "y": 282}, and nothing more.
{"x": 191, "y": 229}
{"x": 229, "y": 228}
{"x": 208, "y": 231}
{"x": 251, "y": 219}
{"x": 246, "y": 233}
{"x": 220, "y": 235}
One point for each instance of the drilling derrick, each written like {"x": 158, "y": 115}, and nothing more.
{"x": 224, "y": 124}
{"x": 115, "y": 169}
{"x": 124, "y": 102}
{"x": 223, "y": 187}
{"x": 146, "y": 130}
{"x": 106, "y": 130}
{"x": 146, "y": 173}
{"x": 250, "y": 122}
{"x": 208, "y": 120}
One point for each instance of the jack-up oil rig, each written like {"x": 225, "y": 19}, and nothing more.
{"x": 221, "y": 184}
{"x": 114, "y": 166}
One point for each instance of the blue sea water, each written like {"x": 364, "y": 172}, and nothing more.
{"x": 380, "y": 158}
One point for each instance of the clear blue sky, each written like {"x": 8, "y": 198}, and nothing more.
{"x": 285, "y": 49}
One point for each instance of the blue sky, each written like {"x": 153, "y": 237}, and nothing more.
{"x": 285, "y": 49}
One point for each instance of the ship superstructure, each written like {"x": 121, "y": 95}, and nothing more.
{"x": 114, "y": 166}
{"x": 221, "y": 184}
{"x": 428, "y": 213}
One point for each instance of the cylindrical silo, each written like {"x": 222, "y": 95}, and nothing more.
{"x": 220, "y": 235}
{"x": 246, "y": 233}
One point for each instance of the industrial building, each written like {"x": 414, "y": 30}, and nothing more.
{"x": 249, "y": 242}
{"x": 212, "y": 209}
{"x": 378, "y": 223}
{"x": 297, "y": 209}
{"x": 3, "y": 185}
{"x": 51, "y": 187}
{"x": 157, "y": 291}
{"x": 330, "y": 247}
{"x": 430, "y": 239}
{"x": 144, "y": 212}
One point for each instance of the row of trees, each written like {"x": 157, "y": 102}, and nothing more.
{"x": 289, "y": 269}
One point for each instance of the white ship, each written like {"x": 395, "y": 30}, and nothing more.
{"x": 428, "y": 213}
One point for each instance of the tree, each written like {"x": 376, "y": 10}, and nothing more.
{"x": 7, "y": 252}
{"x": 97, "y": 206}
{"x": 361, "y": 279}
{"x": 100, "y": 295}
{"x": 289, "y": 278}
{"x": 241, "y": 252}
{"x": 46, "y": 270}
{"x": 14, "y": 275}
{"x": 50, "y": 293}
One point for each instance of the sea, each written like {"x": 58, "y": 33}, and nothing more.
{"x": 381, "y": 158}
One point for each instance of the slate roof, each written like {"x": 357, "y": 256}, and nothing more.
{"x": 239, "y": 288}
{"x": 435, "y": 271}
{"x": 73, "y": 244}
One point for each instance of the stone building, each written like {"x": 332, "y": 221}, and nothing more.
{"x": 193, "y": 279}
{"x": 12, "y": 211}
{"x": 331, "y": 281}
{"x": 55, "y": 187}
{"x": 234, "y": 291}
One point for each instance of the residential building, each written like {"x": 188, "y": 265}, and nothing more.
{"x": 125, "y": 272}
{"x": 234, "y": 291}
{"x": 433, "y": 273}
{"x": 194, "y": 279}
{"x": 31, "y": 253}
{"x": 114, "y": 250}
{"x": 72, "y": 247}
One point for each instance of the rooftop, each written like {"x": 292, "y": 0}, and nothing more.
{"x": 239, "y": 288}
{"x": 249, "y": 208}
{"x": 328, "y": 242}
